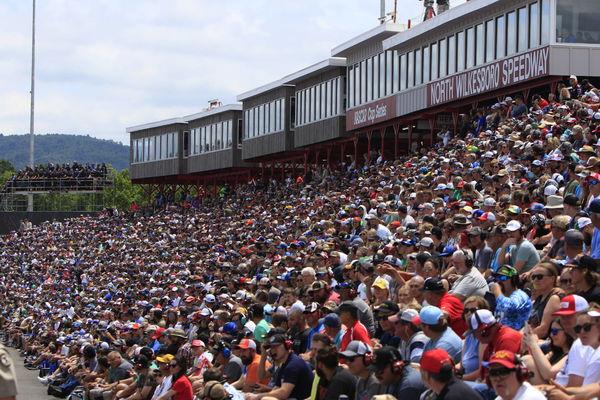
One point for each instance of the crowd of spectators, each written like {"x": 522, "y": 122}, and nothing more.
{"x": 57, "y": 176}
{"x": 466, "y": 271}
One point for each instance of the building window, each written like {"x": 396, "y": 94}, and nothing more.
{"x": 545, "y": 28}
{"x": 434, "y": 61}
{"x": 426, "y": 64}
{"x": 363, "y": 82}
{"x": 403, "y": 71}
{"x": 447, "y": 56}
{"x": 317, "y": 103}
{"x": 534, "y": 25}
{"x": 350, "y": 87}
{"x": 511, "y": 33}
{"x": 460, "y": 51}
{"x": 500, "y": 37}
{"x": 376, "y": 77}
{"x": 330, "y": 98}
{"x": 418, "y": 67}
{"x": 577, "y": 21}
{"x": 324, "y": 99}
{"x": 490, "y": 36}
{"x": 411, "y": 70}
{"x": 384, "y": 73}
{"x": 470, "y": 47}
{"x": 395, "y": 76}
{"x": 369, "y": 79}
{"x": 480, "y": 47}
{"x": 523, "y": 29}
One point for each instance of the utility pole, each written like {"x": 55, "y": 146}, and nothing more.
{"x": 31, "y": 114}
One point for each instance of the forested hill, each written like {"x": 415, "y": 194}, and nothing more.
{"x": 63, "y": 149}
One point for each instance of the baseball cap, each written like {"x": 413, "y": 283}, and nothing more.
{"x": 311, "y": 308}
{"x": 489, "y": 202}
{"x": 572, "y": 200}
{"x": 246, "y": 344}
{"x": 356, "y": 348}
{"x": 505, "y": 358}
{"x": 317, "y": 285}
{"x": 331, "y": 320}
{"x": 513, "y": 226}
{"x": 165, "y": 358}
{"x": 407, "y": 316}
{"x": 594, "y": 206}
{"x": 383, "y": 357}
{"x": 426, "y": 242}
{"x": 429, "y": 315}
{"x": 481, "y": 319}
{"x": 388, "y": 307}
{"x": 158, "y": 333}
{"x": 381, "y": 283}
{"x": 573, "y": 237}
{"x": 487, "y": 216}
{"x": 448, "y": 251}
{"x": 275, "y": 339}
{"x": 434, "y": 360}
{"x": 432, "y": 284}
{"x": 198, "y": 343}
{"x": 210, "y": 298}
{"x": 571, "y": 304}
{"x": 215, "y": 390}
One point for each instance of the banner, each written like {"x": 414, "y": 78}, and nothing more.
{"x": 507, "y": 72}
{"x": 371, "y": 113}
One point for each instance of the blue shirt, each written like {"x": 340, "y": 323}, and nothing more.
{"x": 317, "y": 329}
{"x": 596, "y": 245}
{"x": 513, "y": 311}
{"x": 448, "y": 341}
{"x": 470, "y": 360}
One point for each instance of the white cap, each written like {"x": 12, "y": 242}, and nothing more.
{"x": 513, "y": 226}
{"x": 426, "y": 242}
{"x": 583, "y": 222}
{"x": 482, "y": 317}
{"x": 550, "y": 190}
{"x": 489, "y": 202}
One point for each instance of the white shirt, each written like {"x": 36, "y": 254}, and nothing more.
{"x": 527, "y": 392}
{"x": 163, "y": 387}
{"x": 576, "y": 362}
{"x": 592, "y": 373}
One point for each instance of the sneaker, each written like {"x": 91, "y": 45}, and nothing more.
{"x": 43, "y": 380}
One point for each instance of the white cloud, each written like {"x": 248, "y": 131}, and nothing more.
{"x": 103, "y": 65}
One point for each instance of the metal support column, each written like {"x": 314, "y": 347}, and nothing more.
{"x": 369, "y": 135}
{"x": 396, "y": 133}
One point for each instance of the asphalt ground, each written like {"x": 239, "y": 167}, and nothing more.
{"x": 29, "y": 388}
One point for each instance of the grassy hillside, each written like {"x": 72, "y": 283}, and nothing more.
{"x": 63, "y": 149}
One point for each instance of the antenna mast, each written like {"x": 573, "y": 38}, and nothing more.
{"x": 31, "y": 115}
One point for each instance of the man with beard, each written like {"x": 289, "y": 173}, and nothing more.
{"x": 249, "y": 381}
{"x": 293, "y": 379}
{"x": 335, "y": 380}
{"x": 298, "y": 331}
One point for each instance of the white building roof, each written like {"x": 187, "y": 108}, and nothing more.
{"x": 156, "y": 124}
{"x": 217, "y": 110}
{"x": 333, "y": 62}
{"x": 377, "y": 34}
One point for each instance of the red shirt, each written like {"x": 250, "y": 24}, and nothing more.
{"x": 356, "y": 332}
{"x": 454, "y": 308}
{"x": 183, "y": 387}
{"x": 506, "y": 339}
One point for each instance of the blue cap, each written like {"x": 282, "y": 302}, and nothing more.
{"x": 331, "y": 320}
{"x": 230, "y": 328}
{"x": 448, "y": 251}
{"x": 429, "y": 315}
{"x": 477, "y": 213}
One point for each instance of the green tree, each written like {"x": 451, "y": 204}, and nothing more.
{"x": 123, "y": 193}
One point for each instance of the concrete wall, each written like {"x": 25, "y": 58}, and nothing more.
{"x": 9, "y": 221}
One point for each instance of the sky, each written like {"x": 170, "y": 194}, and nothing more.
{"x": 105, "y": 65}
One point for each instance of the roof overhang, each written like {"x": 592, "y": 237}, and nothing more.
{"x": 214, "y": 111}
{"x": 376, "y": 34}
{"x": 260, "y": 90}
{"x": 156, "y": 124}
{"x": 315, "y": 69}
{"x": 447, "y": 17}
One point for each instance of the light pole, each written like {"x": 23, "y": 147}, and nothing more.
{"x": 31, "y": 114}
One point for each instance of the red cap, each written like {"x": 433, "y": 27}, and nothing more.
{"x": 593, "y": 175}
{"x": 198, "y": 343}
{"x": 190, "y": 299}
{"x": 246, "y": 344}
{"x": 135, "y": 326}
{"x": 433, "y": 360}
{"x": 158, "y": 333}
{"x": 571, "y": 304}
{"x": 505, "y": 358}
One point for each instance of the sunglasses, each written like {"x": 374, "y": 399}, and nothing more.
{"x": 537, "y": 277}
{"x": 592, "y": 182}
{"x": 501, "y": 371}
{"x": 565, "y": 281}
{"x": 554, "y": 331}
{"x": 350, "y": 359}
{"x": 500, "y": 278}
{"x": 382, "y": 318}
{"x": 469, "y": 310}
{"x": 173, "y": 365}
{"x": 585, "y": 327}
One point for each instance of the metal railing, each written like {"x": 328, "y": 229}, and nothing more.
{"x": 60, "y": 185}
{"x": 412, "y": 22}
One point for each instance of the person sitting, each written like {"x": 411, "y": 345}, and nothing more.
{"x": 395, "y": 376}
{"x": 434, "y": 323}
{"x": 335, "y": 380}
{"x": 513, "y": 305}
{"x": 508, "y": 376}
{"x": 437, "y": 371}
